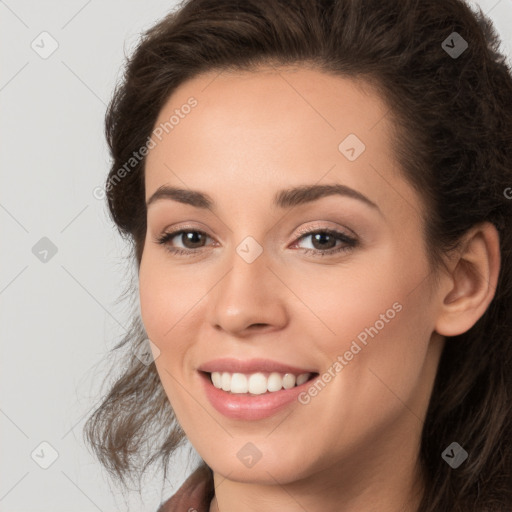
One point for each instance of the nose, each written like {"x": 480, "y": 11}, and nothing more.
{"x": 250, "y": 297}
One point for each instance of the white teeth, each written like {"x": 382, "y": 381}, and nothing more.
{"x": 275, "y": 382}
{"x": 239, "y": 383}
{"x": 302, "y": 378}
{"x": 225, "y": 382}
{"x": 257, "y": 383}
{"x": 289, "y": 381}
{"x": 217, "y": 379}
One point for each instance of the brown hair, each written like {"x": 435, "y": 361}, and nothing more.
{"x": 453, "y": 139}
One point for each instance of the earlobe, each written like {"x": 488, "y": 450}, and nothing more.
{"x": 472, "y": 281}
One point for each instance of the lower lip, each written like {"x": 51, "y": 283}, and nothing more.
{"x": 250, "y": 407}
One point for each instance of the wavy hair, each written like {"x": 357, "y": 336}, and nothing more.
{"x": 452, "y": 122}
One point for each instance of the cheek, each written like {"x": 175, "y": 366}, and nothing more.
{"x": 163, "y": 307}
{"x": 167, "y": 298}
{"x": 172, "y": 306}
{"x": 369, "y": 293}
{"x": 387, "y": 340}
{"x": 152, "y": 301}
{"x": 377, "y": 317}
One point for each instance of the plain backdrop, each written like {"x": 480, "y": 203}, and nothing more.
{"x": 63, "y": 266}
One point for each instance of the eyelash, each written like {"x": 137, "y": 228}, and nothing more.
{"x": 349, "y": 241}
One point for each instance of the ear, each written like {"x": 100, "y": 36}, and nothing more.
{"x": 469, "y": 286}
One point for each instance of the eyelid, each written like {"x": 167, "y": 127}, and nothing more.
{"x": 175, "y": 230}
{"x": 312, "y": 229}
{"x": 349, "y": 242}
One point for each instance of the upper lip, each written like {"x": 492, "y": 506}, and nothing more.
{"x": 250, "y": 366}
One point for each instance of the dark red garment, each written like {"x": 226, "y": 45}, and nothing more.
{"x": 194, "y": 495}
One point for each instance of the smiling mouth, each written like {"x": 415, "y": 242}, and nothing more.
{"x": 258, "y": 383}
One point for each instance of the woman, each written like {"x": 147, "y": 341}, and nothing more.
{"x": 319, "y": 199}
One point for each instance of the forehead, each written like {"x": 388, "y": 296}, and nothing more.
{"x": 269, "y": 100}
{"x": 278, "y": 127}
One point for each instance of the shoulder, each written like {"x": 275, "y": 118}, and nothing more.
{"x": 194, "y": 495}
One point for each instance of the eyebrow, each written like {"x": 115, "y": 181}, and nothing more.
{"x": 283, "y": 199}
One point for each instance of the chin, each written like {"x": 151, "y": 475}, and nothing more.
{"x": 269, "y": 469}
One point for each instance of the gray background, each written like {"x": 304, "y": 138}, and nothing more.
{"x": 59, "y": 318}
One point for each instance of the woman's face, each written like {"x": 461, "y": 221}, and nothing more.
{"x": 270, "y": 281}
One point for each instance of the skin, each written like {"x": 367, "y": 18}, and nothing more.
{"x": 354, "y": 447}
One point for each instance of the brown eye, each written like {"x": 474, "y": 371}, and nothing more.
{"x": 191, "y": 241}
{"x": 324, "y": 242}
